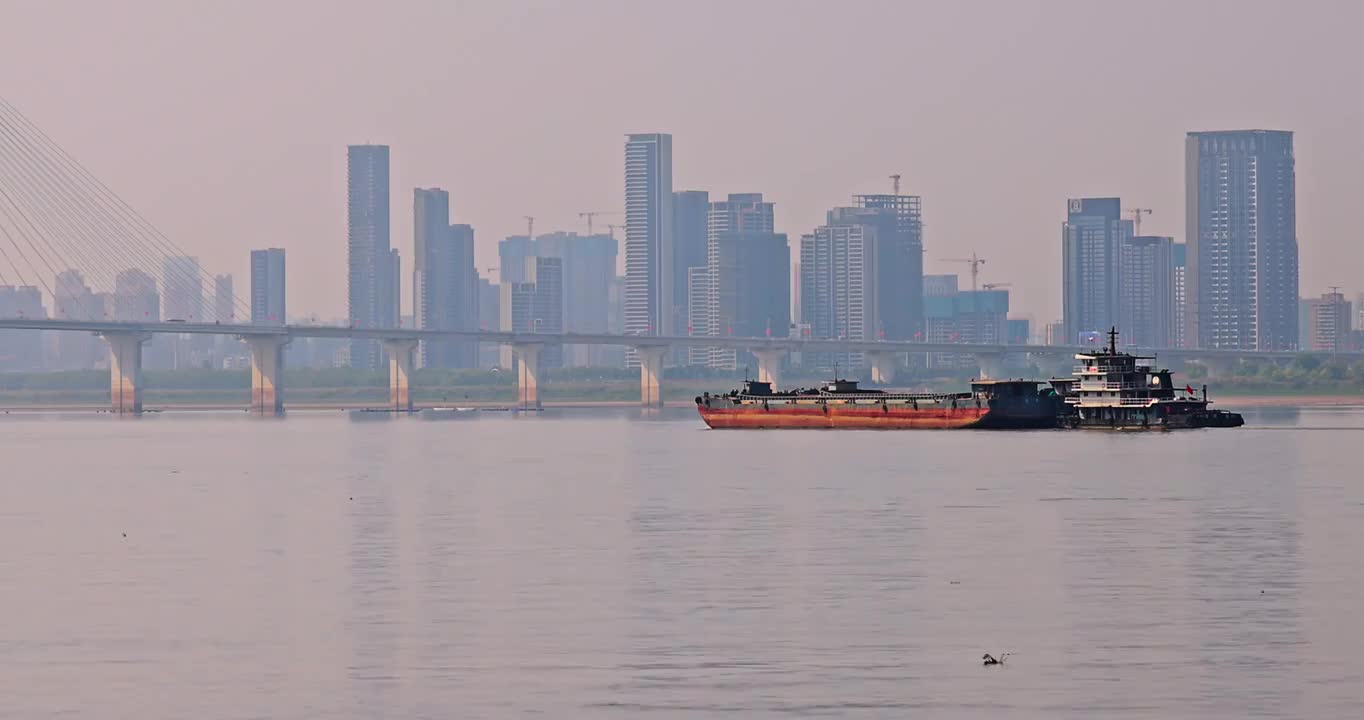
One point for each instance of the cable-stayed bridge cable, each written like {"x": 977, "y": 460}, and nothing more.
{"x": 133, "y": 225}
{"x": 80, "y": 210}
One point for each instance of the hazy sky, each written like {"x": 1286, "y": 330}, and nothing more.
{"x": 226, "y": 123}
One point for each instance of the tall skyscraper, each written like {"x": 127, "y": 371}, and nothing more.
{"x": 430, "y": 235}
{"x": 649, "y": 273}
{"x": 511, "y": 258}
{"x": 838, "y": 289}
{"x": 1147, "y": 309}
{"x": 691, "y": 211}
{"x": 444, "y": 280}
{"x": 268, "y": 287}
{"x": 895, "y": 261}
{"x": 589, "y": 266}
{"x": 742, "y": 256}
{"x": 698, "y": 313}
{"x": 184, "y": 289}
{"x": 370, "y": 281}
{"x": 750, "y": 290}
{"x": 489, "y": 318}
{"x": 535, "y": 306}
{"x": 1241, "y": 230}
{"x": 135, "y": 297}
{"x": 970, "y": 316}
{"x": 224, "y": 300}
{"x": 74, "y": 300}
{"x": 394, "y": 304}
{"x": 1329, "y": 323}
{"x": 900, "y": 265}
{"x": 1091, "y": 246}
{"x": 1181, "y": 285}
{"x": 21, "y": 349}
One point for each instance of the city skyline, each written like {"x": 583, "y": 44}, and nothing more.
{"x": 274, "y": 176}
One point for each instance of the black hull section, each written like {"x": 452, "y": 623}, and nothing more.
{"x": 1189, "y": 421}
{"x": 1024, "y": 411}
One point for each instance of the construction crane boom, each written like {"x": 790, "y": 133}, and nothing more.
{"x": 975, "y": 263}
{"x": 1136, "y": 218}
{"x": 589, "y": 214}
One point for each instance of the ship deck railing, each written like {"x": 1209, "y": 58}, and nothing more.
{"x": 1112, "y": 402}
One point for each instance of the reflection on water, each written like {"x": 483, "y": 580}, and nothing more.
{"x": 588, "y": 564}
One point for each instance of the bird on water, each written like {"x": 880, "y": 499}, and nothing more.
{"x": 990, "y": 659}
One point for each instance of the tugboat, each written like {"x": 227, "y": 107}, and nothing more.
{"x": 1116, "y": 390}
{"x": 841, "y": 404}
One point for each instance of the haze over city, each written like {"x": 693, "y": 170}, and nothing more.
{"x": 227, "y": 125}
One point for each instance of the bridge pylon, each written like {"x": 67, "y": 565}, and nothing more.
{"x": 527, "y": 374}
{"x": 401, "y": 362}
{"x": 125, "y": 371}
{"x": 267, "y": 373}
{"x": 651, "y": 374}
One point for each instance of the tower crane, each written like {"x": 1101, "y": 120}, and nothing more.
{"x": 974, "y": 262}
{"x": 589, "y": 214}
{"x": 1136, "y": 218}
{"x": 530, "y": 227}
{"x": 895, "y": 182}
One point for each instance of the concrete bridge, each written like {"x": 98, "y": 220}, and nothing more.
{"x": 266, "y": 345}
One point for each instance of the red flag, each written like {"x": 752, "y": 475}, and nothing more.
{"x": 1188, "y": 389}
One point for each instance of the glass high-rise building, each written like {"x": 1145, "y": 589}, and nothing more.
{"x": 535, "y": 305}
{"x": 649, "y": 274}
{"x": 1241, "y": 232}
{"x": 899, "y": 265}
{"x": 1147, "y": 312}
{"x": 747, "y": 292}
{"x": 1181, "y": 289}
{"x": 838, "y": 289}
{"x": 691, "y": 209}
{"x": 1091, "y": 247}
{"x": 267, "y": 287}
{"x": 371, "y": 294}
{"x": 589, "y": 266}
{"x": 184, "y": 289}
{"x": 224, "y": 300}
{"x": 135, "y": 297}
{"x": 444, "y": 280}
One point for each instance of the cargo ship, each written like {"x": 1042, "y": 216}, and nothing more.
{"x": 841, "y": 404}
{"x": 1119, "y": 391}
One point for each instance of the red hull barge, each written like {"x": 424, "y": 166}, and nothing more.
{"x": 838, "y": 416}
{"x": 842, "y": 405}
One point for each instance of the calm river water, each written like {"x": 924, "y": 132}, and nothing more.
{"x": 603, "y": 565}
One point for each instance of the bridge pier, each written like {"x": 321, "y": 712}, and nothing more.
{"x": 125, "y": 371}
{"x": 401, "y": 362}
{"x": 769, "y": 366}
{"x": 527, "y": 374}
{"x": 882, "y": 367}
{"x": 991, "y": 365}
{"x": 267, "y": 373}
{"x": 651, "y": 374}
